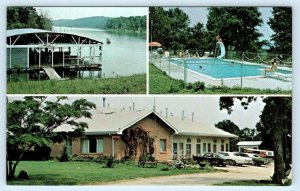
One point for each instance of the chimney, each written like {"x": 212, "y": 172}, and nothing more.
{"x": 166, "y": 112}
{"x": 108, "y": 105}
{"x": 133, "y": 106}
{"x": 192, "y": 116}
{"x": 104, "y": 102}
{"x": 182, "y": 115}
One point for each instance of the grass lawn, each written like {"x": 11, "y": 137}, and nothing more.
{"x": 161, "y": 83}
{"x": 252, "y": 183}
{"x": 79, "y": 173}
{"x": 135, "y": 84}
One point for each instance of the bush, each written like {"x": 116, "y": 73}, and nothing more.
{"x": 64, "y": 157}
{"x": 164, "y": 169}
{"x": 198, "y": 86}
{"x": 109, "y": 162}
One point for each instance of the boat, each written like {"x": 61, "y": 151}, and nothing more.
{"x": 108, "y": 41}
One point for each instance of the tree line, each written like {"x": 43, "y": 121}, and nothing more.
{"x": 237, "y": 26}
{"x": 27, "y": 17}
{"x": 132, "y": 23}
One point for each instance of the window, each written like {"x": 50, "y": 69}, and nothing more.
{"x": 175, "y": 148}
{"x": 163, "y": 145}
{"x": 68, "y": 145}
{"x": 91, "y": 145}
{"x": 208, "y": 147}
{"x": 198, "y": 149}
{"x": 214, "y": 148}
{"x": 188, "y": 149}
{"x": 222, "y": 141}
{"x": 198, "y": 140}
{"x": 227, "y": 147}
{"x": 222, "y": 147}
{"x": 215, "y": 140}
{"x": 204, "y": 148}
{"x": 188, "y": 140}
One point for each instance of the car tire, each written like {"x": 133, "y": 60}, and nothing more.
{"x": 231, "y": 162}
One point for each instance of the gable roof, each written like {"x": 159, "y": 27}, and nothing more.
{"x": 115, "y": 121}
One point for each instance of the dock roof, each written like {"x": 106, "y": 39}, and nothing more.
{"x": 31, "y": 36}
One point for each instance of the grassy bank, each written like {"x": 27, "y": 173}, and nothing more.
{"x": 135, "y": 84}
{"x": 78, "y": 173}
{"x": 161, "y": 83}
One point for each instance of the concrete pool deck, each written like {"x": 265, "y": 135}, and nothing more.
{"x": 177, "y": 72}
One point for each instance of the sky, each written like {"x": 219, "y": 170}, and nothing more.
{"x": 206, "y": 108}
{"x": 56, "y": 13}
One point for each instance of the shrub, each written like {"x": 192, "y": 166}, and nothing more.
{"x": 109, "y": 162}
{"x": 164, "y": 169}
{"x": 64, "y": 157}
{"x": 198, "y": 86}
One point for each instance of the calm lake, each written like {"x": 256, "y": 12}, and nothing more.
{"x": 124, "y": 56}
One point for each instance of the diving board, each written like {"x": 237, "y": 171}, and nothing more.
{"x": 51, "y": 73}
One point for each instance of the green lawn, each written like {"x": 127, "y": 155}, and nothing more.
{"x": 79, "y": 173}
{"x": 135, "y": 84}
{"x": 161, "y": 83}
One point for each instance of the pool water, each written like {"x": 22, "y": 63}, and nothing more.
{"x": 225, "y": 69}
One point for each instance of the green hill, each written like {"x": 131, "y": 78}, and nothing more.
{"x": 98, "y": 22}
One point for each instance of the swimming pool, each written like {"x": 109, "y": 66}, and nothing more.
{"x": 221, "y": 69}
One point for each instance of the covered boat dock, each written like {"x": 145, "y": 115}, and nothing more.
{"x": 32, "y": 50}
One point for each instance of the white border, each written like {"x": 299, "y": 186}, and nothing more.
{"x": 296, "y": 80}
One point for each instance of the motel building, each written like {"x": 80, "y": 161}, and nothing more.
{"x": 174, "y": 138}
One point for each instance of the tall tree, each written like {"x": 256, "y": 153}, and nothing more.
{"x": 281, "y": 24}
{"x": 278, "y": 110}
{"x": 169, "y": 27}
{"x": 32, "y": 120}
{"x": 27, "y": 17}
{"x": 237, "y": 26}
{"x": 230, "y": 127}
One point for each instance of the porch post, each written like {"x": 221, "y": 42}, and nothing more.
{"x": 39, "y": 57}
{"x": 63, "y": 54}
{"x": 52, "y": 49}
{"x": 28, "y": 57}
{"x": 9, "y": 52}
{"x": 112, "y": 147}
{"x": 172, "y": 154}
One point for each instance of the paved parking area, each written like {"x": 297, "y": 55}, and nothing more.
{"x": 233, "y": 173}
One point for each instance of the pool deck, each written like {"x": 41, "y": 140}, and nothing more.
{"x": 177, "y": 72}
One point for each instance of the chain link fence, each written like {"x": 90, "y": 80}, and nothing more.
{"x": 237, "y": 69}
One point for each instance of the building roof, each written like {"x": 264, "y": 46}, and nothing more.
{"x": 30, "y": 36}
{"x": 114, "y": 121}
{"x": 249, "y": 143}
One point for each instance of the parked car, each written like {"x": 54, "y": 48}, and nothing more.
{"x": 234, "y": 159}
{"x": 258, "y": 161}
{"x": 212, "y": 158}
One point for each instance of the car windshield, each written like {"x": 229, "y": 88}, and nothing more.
{"x": 224, "y": 154}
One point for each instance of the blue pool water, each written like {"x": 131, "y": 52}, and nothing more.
{"x": 225, "y": 69}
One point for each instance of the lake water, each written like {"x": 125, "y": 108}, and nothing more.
{"x": 124, "y": 56}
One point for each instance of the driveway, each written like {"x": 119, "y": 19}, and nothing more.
{"x": 233, "y": 173}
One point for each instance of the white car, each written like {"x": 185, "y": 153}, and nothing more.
{"x": 234, "y": 159}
